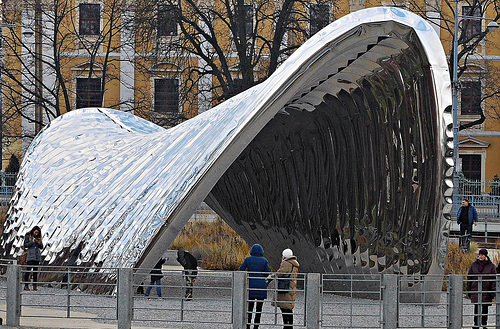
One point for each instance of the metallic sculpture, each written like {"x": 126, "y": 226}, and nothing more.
{"x": 344, "y": 155}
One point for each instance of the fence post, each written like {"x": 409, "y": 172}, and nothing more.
{"x": 313, "y": 296}
{"x": 455, "y": 304}
{"x": 390, "y": 296}
{"x": 486, "y": 231}
{"x": 497, "y": 303}
{"x": 239, "y": 300}
{"x": 13, "y": 295}
{"x": 125, "y": 298}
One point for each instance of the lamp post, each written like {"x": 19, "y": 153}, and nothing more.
{"x": 38, "y": 67}
{"x": 492, "y": 26}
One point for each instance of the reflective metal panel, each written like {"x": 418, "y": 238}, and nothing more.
{"x": 342, "y": 155}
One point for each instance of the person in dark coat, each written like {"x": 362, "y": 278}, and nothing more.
{"x": 259, "y": 267}
{"x": 190, "y": 264}
{"x": 156, "y": 275}
{"x": 481, "y": 296}
{"x": 466, "y": 217}
{"x": 33, "y": 245}
{"x": 71, "y": 262}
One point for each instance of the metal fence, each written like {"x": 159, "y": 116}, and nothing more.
{"x": 3, "y": 287}
{"x": 426, "y": 306}
{"x": 486, "y": 205}
{"x": 8, "y": 178}
{"x": 220, "y": 299}
{"x": 7, "y": 182}
{"x": 357, "y": 305}
{"x": 485, "y": 238}
{"x": 478, "y": 187}
{"x": 211, "y": 303}
{"x": 484, "y": 195}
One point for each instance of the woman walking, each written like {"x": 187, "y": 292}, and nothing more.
{"x": 33, "y": 245}
{"x": 482, "y": 270}
{"x": 259, "y": 266}
{"x": 286, "y": 295}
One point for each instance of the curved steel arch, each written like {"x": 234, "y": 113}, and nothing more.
{"x": 343, "y": 154}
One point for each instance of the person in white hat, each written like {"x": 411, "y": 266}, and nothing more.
{"x": 286, "y": 295}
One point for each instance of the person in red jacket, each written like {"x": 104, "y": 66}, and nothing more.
{"x": 484, "y": 271}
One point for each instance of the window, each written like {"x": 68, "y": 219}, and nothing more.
{"x": 88, "y": 92}
{"x": 470, "y": 99}
{"x": 319, "y": 16}
{"x": 167, "y": 20}
{"x": 471, "y": 27}
{"x": 471, "y": 166}
{"x": 471, "y": 169}
{"x": 90, "y": 19}
{"x": 166, "y": 95}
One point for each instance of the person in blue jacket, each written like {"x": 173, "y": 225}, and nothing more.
{"x": 259, "y": 267}
{"x": 466, "y": 217}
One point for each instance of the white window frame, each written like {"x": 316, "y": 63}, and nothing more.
{"x": 466, "y": 118}
{"x": 165, "y": 38}
{"x": 83, "y": 38}
{"x": 77, "y": 17}
{"x": 483, "y": 153}
{"x": 480, "y": 49}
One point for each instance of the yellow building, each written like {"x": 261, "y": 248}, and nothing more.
{"x": 112, "y": 53}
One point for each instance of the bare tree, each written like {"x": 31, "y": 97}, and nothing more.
{"x": 59, "y": 47}
{"x": 222, "y": 47}
{"x": 471, "y": 37}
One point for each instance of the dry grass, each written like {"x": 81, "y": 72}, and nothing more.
{"x": 221, "y": 248}
{"x": 3, "y": 214}
{"x": 458, "y": 262}
{"x": 217, "y": 244}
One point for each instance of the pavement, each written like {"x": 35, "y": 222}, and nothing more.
{"x": 56, "y": 319}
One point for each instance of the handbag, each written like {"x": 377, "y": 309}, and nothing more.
{"x": 284, "y": 284}
{"x": 22, "y": 259}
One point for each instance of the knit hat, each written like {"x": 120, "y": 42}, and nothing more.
{"x": 287, "y": 253}
{"x": 483, "y": 252}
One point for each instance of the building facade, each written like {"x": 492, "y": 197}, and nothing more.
{"x": 119, "y": 54}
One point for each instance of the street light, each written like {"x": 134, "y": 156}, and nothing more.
{"x": 492, "y": 26}
{"x": 27, "y": 31}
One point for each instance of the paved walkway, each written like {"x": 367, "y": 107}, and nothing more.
{"x": 56, "y": 319}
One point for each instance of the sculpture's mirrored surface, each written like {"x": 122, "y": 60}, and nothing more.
{"x": 341, "y": 155}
